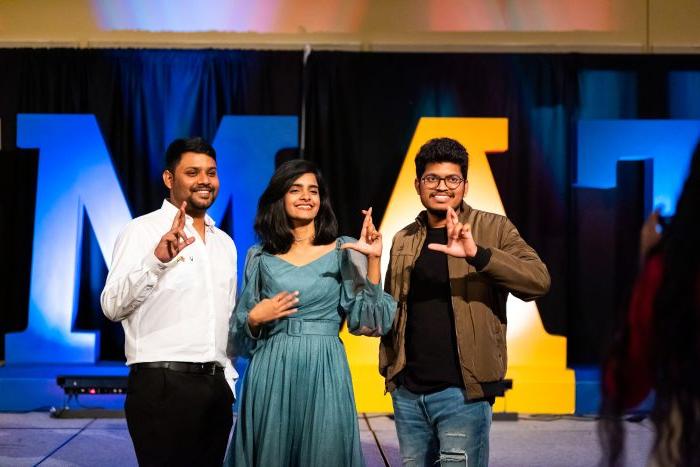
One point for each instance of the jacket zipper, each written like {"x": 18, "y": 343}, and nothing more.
{"x": 454, "y": 321}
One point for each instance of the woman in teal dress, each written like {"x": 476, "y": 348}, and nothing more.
{"x": 301, "y": 282}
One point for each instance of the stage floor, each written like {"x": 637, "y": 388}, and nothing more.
{"x": 34, "y": 438}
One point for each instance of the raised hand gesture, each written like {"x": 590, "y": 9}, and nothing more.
{"x": 175, "y": 240}
{"x": 370, "y": 241}
{"x": 460, "y": 242}
{"x": 269, "y": 309}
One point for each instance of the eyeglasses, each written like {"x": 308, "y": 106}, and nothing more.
{"x": 433, "y": 181}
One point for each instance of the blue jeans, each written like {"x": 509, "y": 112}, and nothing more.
{"x": 441, "y": 427}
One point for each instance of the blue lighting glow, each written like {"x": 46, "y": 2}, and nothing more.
{"x": 246, "y": 147}
{"x": 670, "y": 143}
{"x": 75, "y": 175}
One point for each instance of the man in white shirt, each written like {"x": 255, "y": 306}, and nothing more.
{"x": 172, "y": 284}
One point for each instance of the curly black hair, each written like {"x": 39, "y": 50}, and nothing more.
{"x": 442, "y": 150}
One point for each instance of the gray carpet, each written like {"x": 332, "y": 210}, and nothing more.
{"x": 35, "y": 438}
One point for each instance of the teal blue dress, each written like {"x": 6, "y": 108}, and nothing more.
{"x": 297, "y": 406}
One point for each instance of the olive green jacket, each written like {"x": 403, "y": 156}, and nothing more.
{"x": 478, "y": 296}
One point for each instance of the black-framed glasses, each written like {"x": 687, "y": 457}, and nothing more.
{"x": 433, "y": 181}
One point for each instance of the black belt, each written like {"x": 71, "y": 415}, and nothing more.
{"x": 208, "y": 368}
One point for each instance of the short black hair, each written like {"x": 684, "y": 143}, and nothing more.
{"x": 442, "y": 150}
{"x": 182, "y": 145}
{"x": 271, "y": 224}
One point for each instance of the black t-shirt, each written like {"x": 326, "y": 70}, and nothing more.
{"x": 432, "y": 359}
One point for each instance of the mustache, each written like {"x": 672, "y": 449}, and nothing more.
{"x": 443, "y": 193}
{"x": 202, "y": 187}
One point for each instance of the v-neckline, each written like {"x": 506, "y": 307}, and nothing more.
{"x": 299, "y": 266}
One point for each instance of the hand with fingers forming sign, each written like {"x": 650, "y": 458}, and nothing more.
{"x": 370, "y": 245}
{"x": 460, "y": 242}
{"x": 370, "y": 241}
{"x": 269, "y": 309}
{"x": 175, "y": 240}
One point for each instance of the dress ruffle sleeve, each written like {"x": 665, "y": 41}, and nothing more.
{"x": 241, "y": 342}
{"x": 368, "y": 309}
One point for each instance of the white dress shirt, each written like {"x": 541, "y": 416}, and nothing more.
{"x": 175, "y": 311}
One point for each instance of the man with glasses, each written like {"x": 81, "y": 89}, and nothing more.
{"x": 450, "y": 272}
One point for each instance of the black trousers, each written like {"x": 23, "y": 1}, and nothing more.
{"x": 177, "y": 418}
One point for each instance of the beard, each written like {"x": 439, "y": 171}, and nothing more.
{"x": 198, "y": 204}
{"x": 441, "y": 212}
